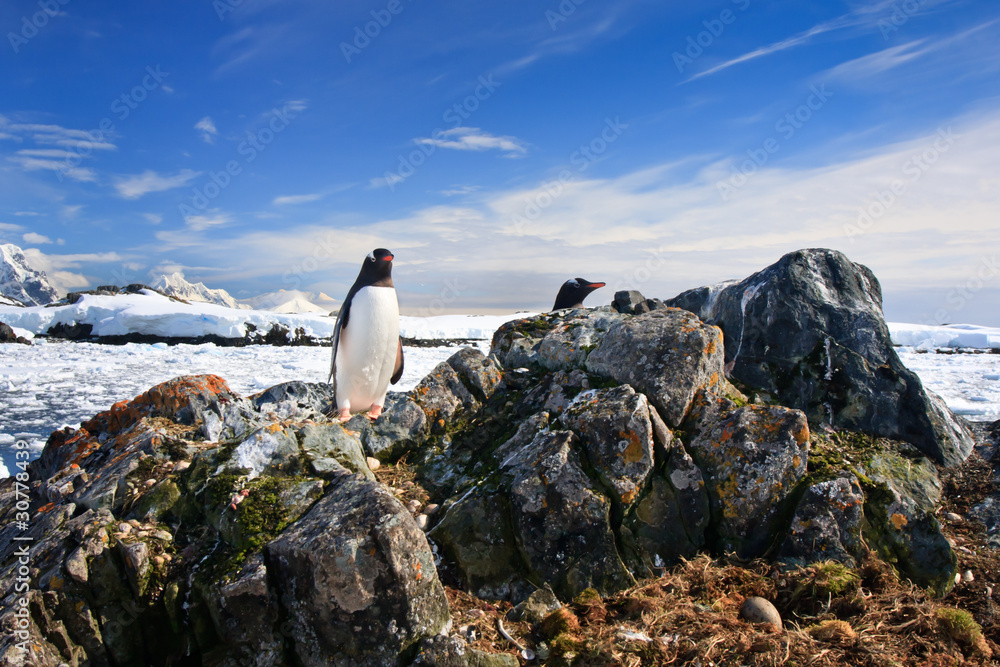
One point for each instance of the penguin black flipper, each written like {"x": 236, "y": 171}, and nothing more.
{"x": 398, "y": 370}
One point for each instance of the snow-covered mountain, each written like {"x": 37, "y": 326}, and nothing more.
{"x": 19, "y": 281}
{"x": 176, "y": 285}
{"x": 293, "y": 301}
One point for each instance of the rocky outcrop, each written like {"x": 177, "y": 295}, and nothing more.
{"x": 590, "y": 449}
{"x": 808, "y": 332}
{"x": 7, "y": 335}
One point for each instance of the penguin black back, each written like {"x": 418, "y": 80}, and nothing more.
{"x": 573, "y": 292}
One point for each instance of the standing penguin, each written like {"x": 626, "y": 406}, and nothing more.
{"x": 367, "y": 350}
{"x": 573, "y": 292}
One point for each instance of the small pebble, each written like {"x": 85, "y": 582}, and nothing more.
{"x": 431, "y": 509}
{"x": 413, "y": 506}
{"x": 958, "y": 578}
{"x": 124, "y": 528}
{"x": 373, "y": 464}
{"x": 159, "y": 561}
{"x": 422, "y": 521}
{"x": 162, "y": 535}
{"x": 968, "y": 577}
{"x": 167, "y": 557}
{"x": 142, "y": 533}
{"x": 759, "y": 610}
{"x": 989, "y": 591}
{"x": 951, "y": 516}
{"x": 181, "y": 465}
{"x": 150, "y": 482}
{"x": 120, "y": 536}
{"x": 476, "y": 613}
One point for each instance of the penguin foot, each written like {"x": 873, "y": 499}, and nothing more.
{"x": 345, "y": 415}
{"x": 374, "y": 412}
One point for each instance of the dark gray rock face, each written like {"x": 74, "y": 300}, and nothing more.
{"x": 7, "y": 335}
{"x": 561, "y": 520}
{"x": 357, "y": 579}
{"x": 809, "y": 331}
{"x": 827, "y": 524}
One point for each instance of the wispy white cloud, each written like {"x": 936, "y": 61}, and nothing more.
{"x": 81, "y": 174}
{"x": 212, "y": 218}
{"x": 153, "y": 218}
{"x": 70, "y": 212}
{"x": 207, "y": 128}
{"x": 474, "y": 139}
{"x": 665, "y": 217}
{"x": 135, "y": 186}
{"x": 388, "y": 180}
{"x": 36, "y": 239}
{"x": 461, "y": 190}
{"x": 297, "y": 199}
{"x": 782, "y": 45}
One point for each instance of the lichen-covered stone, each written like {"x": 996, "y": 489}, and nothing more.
{"x": 827, "y": 524}
{"x": 903, "y": 494}
{"x": 454, "y": 651}
{"x": 480, "y": 373}
{"x": 334, "y": 441}
{"x": 751, "y": 461}
{"x": 561, "y": 521}
{"x": 668, "y": 355}
{"x": 476, "y": 536}
{"x": 356, "y": 577}
{"x": 441, "y": 394}
{"x": 616, "y": 436}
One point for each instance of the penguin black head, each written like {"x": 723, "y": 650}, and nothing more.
{"x": 376, "y": 269}
{"x": 573, "y": 292}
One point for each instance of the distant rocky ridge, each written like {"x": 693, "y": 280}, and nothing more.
{"x": 175, "y": 285}
{"x": 591, "y": 448}
{"x": 21, "y": 283}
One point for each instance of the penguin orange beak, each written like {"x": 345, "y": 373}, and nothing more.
{"x": 596, "y": 285}
{"x": 389, "y": 258}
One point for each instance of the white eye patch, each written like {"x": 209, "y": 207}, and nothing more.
{"x": 371, "y": 256}
{"x": 573, "y": 282}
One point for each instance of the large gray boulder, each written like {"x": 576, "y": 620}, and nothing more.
{"x": 809, "y": 332}
{"x": 357, "y": 579}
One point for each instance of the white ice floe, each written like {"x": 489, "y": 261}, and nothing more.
{"x": 924, "y": 336}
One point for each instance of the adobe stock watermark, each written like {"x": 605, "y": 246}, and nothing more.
{"x": 785, "y": 127}
{"x": 450, "y": 292}
{"x": 122, "y": 107}
{"x": 698, "y": 42}
{"x": 455, "y": 116}
{"x": 250, "y": 148}
{"x": 643, "y": 270}
{"x": 964, "y": 292}
{"x": 581, "y": 159}
{"x": 364, "y": 34}
{"x": 31, "y": 25}
{"x": 22, "y": 570}
{"x": 913, "y": 170}
{"x": 565, "y": 9}
{"x": 901, "y": 13}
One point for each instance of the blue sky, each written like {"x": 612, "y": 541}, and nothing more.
{"x": 500, "y": 148}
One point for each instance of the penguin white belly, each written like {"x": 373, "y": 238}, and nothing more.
{"x": 366, "y": 353}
